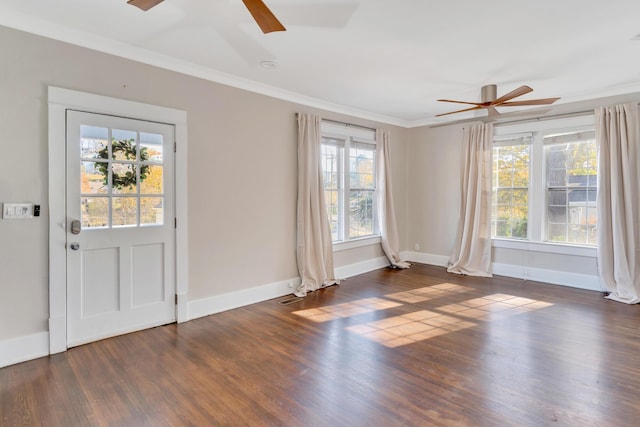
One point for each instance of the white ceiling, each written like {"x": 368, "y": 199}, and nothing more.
{"x": 386, "y": 60}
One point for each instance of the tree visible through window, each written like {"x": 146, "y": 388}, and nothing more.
{"x": 545, "y": 181}
{"x": 349, "y": 174}
{"x": 510, "y": 202}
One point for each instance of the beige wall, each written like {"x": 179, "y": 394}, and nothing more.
{"x": 434, "y": 188}
{"x": 241, "y": 169}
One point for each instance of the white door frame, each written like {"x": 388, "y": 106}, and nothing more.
{"x": 61, "y": 100}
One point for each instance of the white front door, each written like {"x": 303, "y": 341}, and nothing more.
{"x": 120, "y": 226}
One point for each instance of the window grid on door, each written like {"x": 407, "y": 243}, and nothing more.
{"x": 122, "y": 178}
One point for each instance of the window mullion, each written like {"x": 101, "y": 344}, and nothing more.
{"x": 537, "y": 211}
{"x": 346, "y": 185}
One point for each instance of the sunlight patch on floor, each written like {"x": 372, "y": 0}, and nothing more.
{"x": 422, "y": 325}
{"x": 494, "y": 307}
{"x": 429, "y": 292}
{"x": 338, "y": 311}
{"x": 409, "y": 328}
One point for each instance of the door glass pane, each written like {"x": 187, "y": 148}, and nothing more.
{"x": 92, "y": 140}
{"x": 123, "y": 178}
{"x": 124, "y": 211}
{"x": 151, "y": 147}
{"x": 94, "y": 212}
{"x": 151, "y": 210}
{"x": 151, "y": 179}
{"x": 123, "y": 149}
{"x": 92, "y": 179}
{"x": 124, "y": 134}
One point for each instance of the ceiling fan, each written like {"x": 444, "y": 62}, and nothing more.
{"x": 265, "y": 19}
{"x": 490, "y": 102}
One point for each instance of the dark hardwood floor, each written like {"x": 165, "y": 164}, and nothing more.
{"x": 417, "y": 347}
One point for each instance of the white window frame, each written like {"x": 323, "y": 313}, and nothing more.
{"x": 346, "y": 135}
{"x": 537, "y": 185}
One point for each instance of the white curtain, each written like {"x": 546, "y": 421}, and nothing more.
{"x": 314, "y": 246}
{"x": 617, "y": 201}
{"x": 386, "y": 212}
{"x": 472, "y": 250}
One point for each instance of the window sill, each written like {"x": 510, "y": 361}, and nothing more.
{"x": 553, "y": 248}
{"x": 357, "y": 243}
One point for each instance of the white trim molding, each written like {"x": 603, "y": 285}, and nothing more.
{"x": 219, "y": 303}
{"x": 554, "y": 277}
{"x": 425, "y": 258}
{"x": 60, "y": 100}
{"x": 21, "y": 349}
{"x": 361, "y": 267}
{"x": 552, "y": 248}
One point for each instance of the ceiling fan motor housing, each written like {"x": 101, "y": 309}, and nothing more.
{"x": 489, "y": 93}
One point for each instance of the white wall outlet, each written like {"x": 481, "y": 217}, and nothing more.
{"x": 17, "y": 210}
{"x": 416, "y": 247}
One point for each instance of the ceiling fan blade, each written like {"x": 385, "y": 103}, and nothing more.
{"x": 144, "y": 4}
{"x": 513, "y": 94}
{"x": 544, "y": 101}
{"x": 461, "y": 102}
{"x": 479, "y": 107}
{"x": 265, "y": 19}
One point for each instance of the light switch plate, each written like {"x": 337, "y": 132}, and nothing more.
{"x": 17, "y": 210}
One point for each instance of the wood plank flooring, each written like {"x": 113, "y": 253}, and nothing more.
{"x": 416, "y": 347}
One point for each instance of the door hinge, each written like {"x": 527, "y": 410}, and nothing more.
{"x": 175, "y": 222}
{"x": 175, "y": 146}
{"x": 176, "y": 299}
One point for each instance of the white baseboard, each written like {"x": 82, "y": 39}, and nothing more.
{"x": 219, "y": 303}
{"x": 57, "y": 334}
{"x": 182, "y": 313}
{"x": 21, "y": 349}
{"x": 554, "y": 277}
{"x": 362, "y": 267}
{"x": 425, "y": 258}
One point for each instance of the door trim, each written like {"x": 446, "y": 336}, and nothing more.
{"x": 60, "y": 100}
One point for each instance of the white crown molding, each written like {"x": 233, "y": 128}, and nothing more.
{"x": 29, "y": 24}
{"x": 10, "y": 18}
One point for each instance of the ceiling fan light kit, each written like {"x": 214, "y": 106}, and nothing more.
{"x": 490, "y": 102}
{"x": 265, "y": 19}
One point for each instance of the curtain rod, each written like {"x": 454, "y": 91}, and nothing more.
{"x": 349, "y": 125}
{"x": 539, "y": 119}
{"x": 515, "y": 121}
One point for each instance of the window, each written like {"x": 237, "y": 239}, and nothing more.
{"x": 510, "y": 198}
{"x": 348, "y": 157}
{"x": 571, "y": 164}
{"x": 545, "y": 182}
